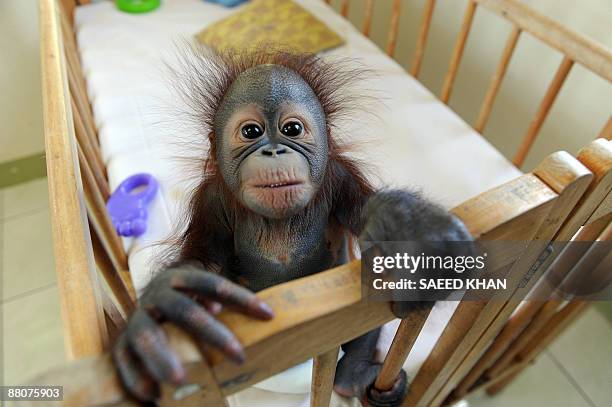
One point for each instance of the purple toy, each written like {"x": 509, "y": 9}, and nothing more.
{"x": 127, "y": 205}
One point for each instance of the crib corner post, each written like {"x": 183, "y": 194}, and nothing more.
{"x": 323, "y": 372}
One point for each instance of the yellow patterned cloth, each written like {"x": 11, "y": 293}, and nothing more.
{"x": 279, "y": 24}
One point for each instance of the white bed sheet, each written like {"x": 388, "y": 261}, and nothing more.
{"x": 411, "y": 139}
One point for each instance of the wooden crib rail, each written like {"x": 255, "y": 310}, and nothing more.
{"x": 116, "y": 298}
{"x": 314, "y": 315}
{"x": 575, "y": 46}
{"x": 74, "y": 262}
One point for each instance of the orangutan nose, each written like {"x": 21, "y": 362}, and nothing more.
{"x": 274, "y": 150}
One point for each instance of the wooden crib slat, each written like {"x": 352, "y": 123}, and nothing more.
{"x": 82, "y": 113}
{"x": 118, "y": 281}
{"x": 67, "y": 7}
{"x": 403, "y": 341}
{"x": 367, "y": 18}
{"x": 559, "y": 322}
{"x": 70, "y": 47}
{"x": 96, "y": 207}
{"x": 344, "y": 10}
{"x": 91, "y": 154}
{"x": 507, "y": 373}
{"x": 422, "y": 38}
{"x": 497, "y": 79}
{"x": 606, "y": 132}
{"x": 466, "y": 25}
{"x": 77, "y": 89}
{"x": 85, "y": 115}
{"x": 474, "y": 323}
{"x": 115, "y": 320}
{"x": 323, "y": 372}
{"x": 555, "y": 326}
{"x": 513, "y": 327}
{"x": 543, "y": 110}
{"x": 394, "y": 27}
{"x": 81, "y": 101}
{"x": 74, "y": 64}
{"x": 539, "y": 320}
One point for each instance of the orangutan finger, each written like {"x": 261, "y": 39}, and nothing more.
{"x": 218, "y": 288}
{"x": 148, "y": 341}
{"x": 193, "y": 318}
{"x": 136, "y": 381}
{"x": 211, "y": 306}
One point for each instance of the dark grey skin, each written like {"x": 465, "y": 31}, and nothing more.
{"x": 272, "y": 151}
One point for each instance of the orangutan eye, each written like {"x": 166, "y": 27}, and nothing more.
{"x": 292, "y": 129}
{"x": 251, "y": 131}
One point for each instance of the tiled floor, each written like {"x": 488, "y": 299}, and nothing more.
{"x": 574, "y": 371}
{"x": 32, "y": 327}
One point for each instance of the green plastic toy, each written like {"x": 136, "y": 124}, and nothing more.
{"x": 137, "y": 6}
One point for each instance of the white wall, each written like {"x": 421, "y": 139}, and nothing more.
{"x": 20, "y": 94}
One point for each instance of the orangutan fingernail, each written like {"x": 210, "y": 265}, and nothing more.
{"x": 266, "y": 309}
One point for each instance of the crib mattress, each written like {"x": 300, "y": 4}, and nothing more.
{"x": 409, "y": 138}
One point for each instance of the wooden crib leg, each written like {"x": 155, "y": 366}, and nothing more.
{"x": 323, "y": 372}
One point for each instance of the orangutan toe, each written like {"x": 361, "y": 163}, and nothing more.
{"x": 388, "y": 398}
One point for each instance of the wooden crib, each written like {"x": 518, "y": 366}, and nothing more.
{"x": 484, "y": 345}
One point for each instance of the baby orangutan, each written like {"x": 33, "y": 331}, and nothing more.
{"x": 276, "y": 202}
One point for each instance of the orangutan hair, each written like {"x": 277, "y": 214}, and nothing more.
{"x": 202, "y": 78}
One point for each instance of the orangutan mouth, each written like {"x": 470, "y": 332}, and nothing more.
{"x": 280, "y": 184}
